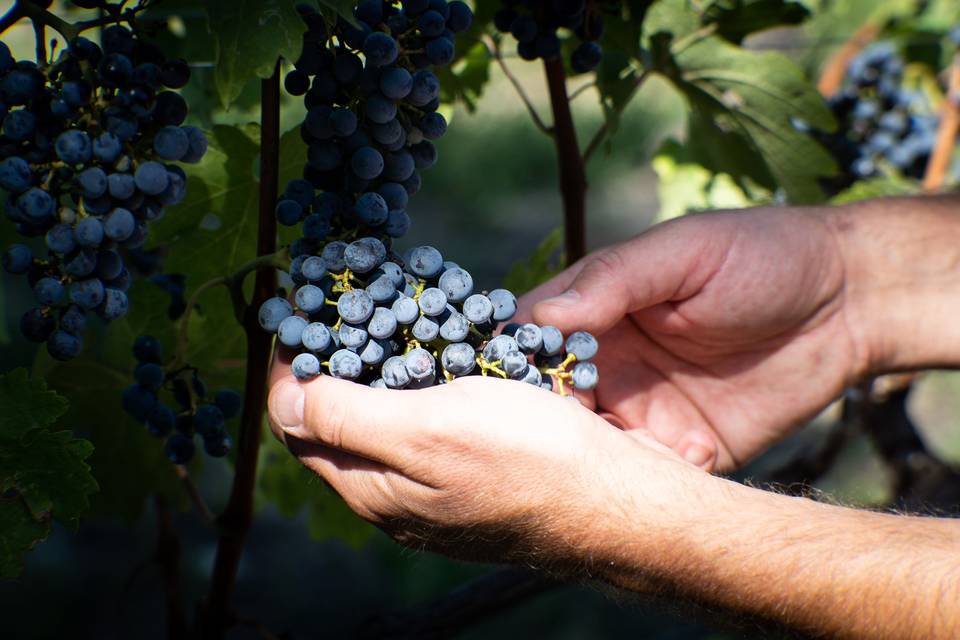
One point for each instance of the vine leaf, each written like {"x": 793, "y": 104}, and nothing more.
{"x": 736, "y": 19}
{"x": 540, "y": 266}
{"x": 292, "y": 488}
{"x": 43, "y": 473}
{"x": 877, "y": 188}
{"x": 751, "y": 96}
{"x": 250, "y": 34}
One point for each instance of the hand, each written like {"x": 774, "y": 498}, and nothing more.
{"x": 479, "y": 468}
{"x": 718, "y": 333}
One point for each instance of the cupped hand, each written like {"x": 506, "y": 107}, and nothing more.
{"x": 719, "y": 333}
{"x": 479, "y": 468}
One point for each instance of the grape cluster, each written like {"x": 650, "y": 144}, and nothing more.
{"x": 87, "y": 146}
{"x": 360, "y": 311}
{"x": 534, "y": 24}
{"x": 364, "y": 317}
{"x": 371, "y": 119}
{"x": 195, "y": 417}
{"x": 882, "y": 125}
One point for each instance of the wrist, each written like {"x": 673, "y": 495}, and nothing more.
{"x": 902, "y": 281}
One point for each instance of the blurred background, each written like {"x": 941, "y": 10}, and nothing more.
{"x": 491, "y": 200}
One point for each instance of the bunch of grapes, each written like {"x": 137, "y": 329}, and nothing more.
{"x": 195, "y": 417}
{"x": 534, "y": 24}
{"x": 363, "y": 317}
{"x": 362, "y": 312}
{"x": 87, "y": 146}
{"x": 881, "y": 123}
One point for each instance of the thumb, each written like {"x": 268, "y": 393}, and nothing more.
{"x": 657, "y": 266}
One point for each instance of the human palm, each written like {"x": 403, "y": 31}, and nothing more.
{"x": 719, "y": 333}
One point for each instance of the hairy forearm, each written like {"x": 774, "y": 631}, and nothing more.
{"x": 821, "y": 569}
{"x": 902, "y": 258}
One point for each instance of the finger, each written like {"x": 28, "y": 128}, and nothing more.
{"x": 549, "y": 289}
{"x": 377, "y": 424}
{"x": 664, "y": 264}
{"x": 699, "y": 449}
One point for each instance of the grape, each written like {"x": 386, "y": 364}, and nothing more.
{"x": 73, "y": 320}
{"x": 394, "y": 195}
{"x": 499, "y": 347}
{"x": 64, "y": 346}
{"x": 425, "y": 262}
{"x": 425, "y": 329}
{"x": 208, "y": 420}
{"x": 119, "y": 225}
{"x": 314, "y": 268}
{"x": 586, "y": 57}
{"x": 371, "y": 209}
{"x": 352, "y": 336}
{"x": 49, "y": 291}
{"x": 364, "y": 255}
{"x": 383, "y": 323}
{"x": 552, "y": 340}
{"x": 420, "y": 364}
{"x": 345, "y": 364}
{"x": 115, "y": 304}
{"x": 433, "y": 125}
{"x": 89, "y": 232}
{"x": 138, "y": 401}
{"x": 305, "y": 366}
{"x": 36, "y": 204}
{"x": 396, "y": 83}
{"x": 36, "y": 326}
{"x": 529, "y": 338}
{"x": 582, "y": 345}
{"x": 426, "y": 87}
{"x": 316, "y": 337}
{"x": 460, "y": 18}
{"x": 432, "y": 301}
{"x": 179, "y": 449}
{"x": 121, "y": 186}
{"x": 478, "y": 308}
{"x": 160, "y": 421}
{"x": 380, "y": 49}
{"x": 514, "y": 364}
{"x": 273, "y": 312}
{"x": 309, "y": 298}
{"x": 87, "y": 294}
{"x": 585, "y": 376}
{"x": 394, "y": 372}
{"x": 504, "y": 304}
{"x": 456, "y": 284}
{"x": 355, "y": 306}
{"x": 380, "y": 109}
{"x": 151, "y": 178}
{"x": 229, "y": 402}
{"x": 17, "y": 259}
{"x": 405, "y": 310}
{"x": 171, "y": 143}
{"x": 290, "y": 331}
{"x": 81, "y": 264}
{"x": 15, "y": 174}
{"x": 19, "y": 125}
{"x": 375, "y": 352}
{"x": 74, "y": 147}
{"x": 455, "y": 327}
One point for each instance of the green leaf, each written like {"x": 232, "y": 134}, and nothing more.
{"x": 26, "y": 404}
{"x": 754, "y": 96}
{"x": 684, "y": 186}
{"x": 19, "y": 533}
{"x": 546, "y": 261}
{"x": 736, "y": 19}
{"x": 292, "y": 489}
{"x": 250, "y": 36}
{"x": 465, "y": 79}
{"x": 877, "y": 188}
{"x": 42, "y": 472}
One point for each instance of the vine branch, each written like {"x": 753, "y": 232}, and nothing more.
{"x": 939, "y": 163}
{"x": 831, "y": 79}
{"x": 494, "y": 49}
{"x": 235, "y": 521}
{"x": 191, "y": 488}
{"x": 604, "y": 129}
{"x": 69, "y": 30}
{"x": 573, "y": 179}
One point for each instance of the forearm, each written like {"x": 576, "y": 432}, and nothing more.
{"x": 810, "y": 566}
{"x": 902, "y": 257}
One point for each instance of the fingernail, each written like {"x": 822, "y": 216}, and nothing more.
{"x": 697, "y": 454}
{"x": 287, "y": 402}
{"x": 568, "y": 298}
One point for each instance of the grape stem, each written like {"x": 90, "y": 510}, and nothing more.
{"x": 494, "y": 49}
{"x": 194, "y": 494}
{"x": 604, "y": 130}
{"x": 69, "y": 30}
{"x": 214, "y": 615}
{"x": 234, "y": 283}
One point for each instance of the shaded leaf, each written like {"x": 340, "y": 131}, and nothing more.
{"x": 293, "y": 489}
{"x": 753, "y": 96}
{"x": 546, "y": 261}
{"x": 877, "y": 188}
{"x": 736, "y": 19}
{"x": 250, "y": 36}
{"x": 43, "y": 473}
{"x": 19, "y": 533}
